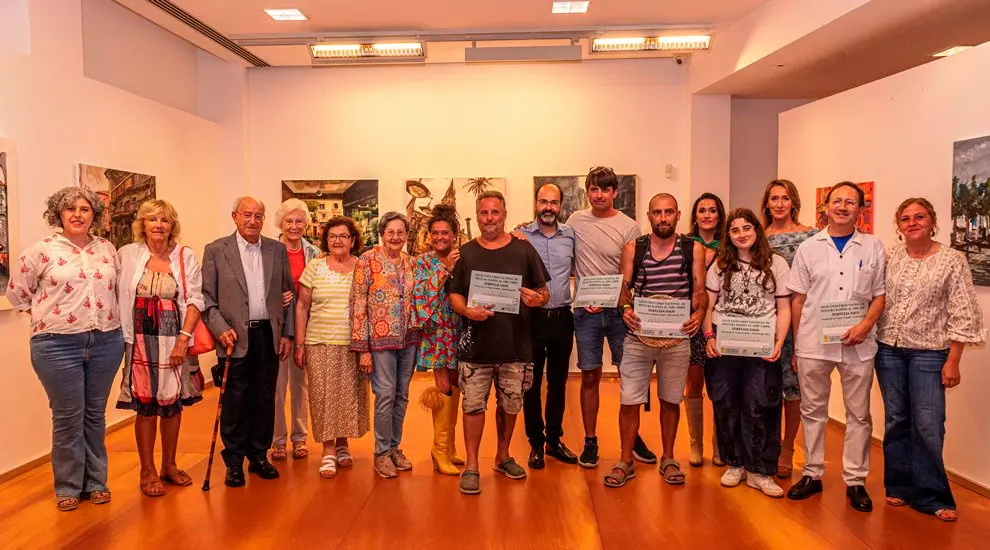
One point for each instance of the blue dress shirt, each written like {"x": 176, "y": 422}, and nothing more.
{"x": 557, "y": 253}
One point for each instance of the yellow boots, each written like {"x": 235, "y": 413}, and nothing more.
{"x": 444, "y": 409}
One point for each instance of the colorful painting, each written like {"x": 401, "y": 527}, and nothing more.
{"x": 122, "y": 193}
{"x": 461, "y": 193}
{"x": 971, "y": 204}
{"x": 4, "y": 230}
{"x": 576, "y": 198}
{"x": 865, "y": 222}
{"x": 356, "y": 199}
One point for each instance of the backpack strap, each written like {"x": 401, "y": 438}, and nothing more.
{"x": 642, "y": 247}
{"x": 687, "y": 262}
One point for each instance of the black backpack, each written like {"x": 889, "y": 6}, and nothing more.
{"x": 687, "y": 259}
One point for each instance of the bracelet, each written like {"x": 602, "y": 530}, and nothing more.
{"x": 625, "y": 307}
{"x": 709, "y": 335}
{"x": 184, "y": 333}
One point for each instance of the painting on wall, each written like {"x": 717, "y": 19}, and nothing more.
{"x": 356, "y": 199}
{"x": 5, "y": 225}
{"x": 576, "y": 198}
{"x": 461, "y": 193}
{"x": 122, "y": 192}
{"x": 865, "y": 222}
{"x": 971, "y": 204}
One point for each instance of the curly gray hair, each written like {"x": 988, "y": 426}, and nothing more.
{"x": 63, "y": 198}
{"x": 389, "y": 217}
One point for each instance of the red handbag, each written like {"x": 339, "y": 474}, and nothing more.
{"x": 203, "y": 341}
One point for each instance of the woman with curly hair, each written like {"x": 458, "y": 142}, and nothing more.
{"x": 67, "y": 282}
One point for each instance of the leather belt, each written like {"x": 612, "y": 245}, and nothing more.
{"x": 259, "y": 324}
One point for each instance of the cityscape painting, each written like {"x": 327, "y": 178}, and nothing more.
{"x": 461, "y": 193}
{"x": 576, "y": 198}
{"x": 971, "y": 204}
{"x": 357, "y": 199}
{"x": 122, "y": 192}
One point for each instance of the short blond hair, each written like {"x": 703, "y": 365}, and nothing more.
{"x": 156, "y": 207}
{"x": 291, "y": 205}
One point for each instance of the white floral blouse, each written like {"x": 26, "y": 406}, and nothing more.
{"x": 931, "y": 302}
{"x": 68, "y": 290}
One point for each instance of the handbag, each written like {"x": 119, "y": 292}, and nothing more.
{"x": 202, "y": 338}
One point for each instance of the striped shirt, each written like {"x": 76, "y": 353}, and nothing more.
{"x": 329, "y": 311}
{"x": 666, "y": 276}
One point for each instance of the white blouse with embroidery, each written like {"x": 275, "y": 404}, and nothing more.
{"x": 68, "y": 290}
{"x": 931, "y": 301}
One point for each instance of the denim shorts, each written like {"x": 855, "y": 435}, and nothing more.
{"x": 591, "y": 329}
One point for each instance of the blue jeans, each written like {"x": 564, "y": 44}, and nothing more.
{"x": 77, "y": 371}
{"x": 390, "y": 377}
{"x": 914, "y": 401}
{"x": 591, "y": 328}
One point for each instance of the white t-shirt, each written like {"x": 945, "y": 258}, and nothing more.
{"x": 599, "y": 241}
{"x": 750, "y": 295}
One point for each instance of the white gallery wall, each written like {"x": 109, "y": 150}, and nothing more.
{"x": 57, "y": 117}
{"x": 898, "y": 132}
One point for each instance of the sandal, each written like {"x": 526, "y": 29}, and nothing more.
{"x": 278, "y": 452}
{"x": 328, "y": 467}
{"x": 98, "y": 497}
{"x": 67, "y": 504}
{"x": 152, "y": 488}
{"x": 344, "y": 459}
{"x": 894, "y": 501}
{"x": 620, "y": 474}
{"x": 180, "y": 478}
{"x": 946, "y": 514}
{"x": 672, "y": 477}
{"x": 299, "y": 451}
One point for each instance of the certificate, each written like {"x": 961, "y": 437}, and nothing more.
{"x": 598, "y": 291}
{"x": 662, "y": 318}
{"x": 835, "y": 318}
{"x": 745, "y": 336}
{"x": 497, "y": 291}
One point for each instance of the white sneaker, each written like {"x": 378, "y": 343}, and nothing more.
{"x": 733, "y": 476}
{"x": 766, "y": 484}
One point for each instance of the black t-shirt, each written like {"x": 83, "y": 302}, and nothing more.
{"x": 504, "y": 337}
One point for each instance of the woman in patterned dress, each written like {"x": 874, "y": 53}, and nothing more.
{"x": 338, "y": 388}
{"x": 780, "y": 209}
{"x": 160, "y": 297}
{"x": 431, "y": 314}
{"x": 931, "y": 314}
{"x": 66, "y": 282}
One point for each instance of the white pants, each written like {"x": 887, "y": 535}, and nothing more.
{"x": 814, "y": 377}
{"x": 292, "y": 378}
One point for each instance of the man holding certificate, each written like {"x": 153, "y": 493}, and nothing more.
{"x": 666, "y": 273}
{"x": 494, "y": 285}
{"x": 748, "y": 317}
{"x": 838, "y": 281}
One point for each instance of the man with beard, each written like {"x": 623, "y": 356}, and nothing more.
{"x": 553, "y": 330}
{"x": 666, "y": 266}
{"x": 496, "y": 346}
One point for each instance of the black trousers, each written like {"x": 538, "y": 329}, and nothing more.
{"x": 747, "y": 399}
{"x": 247, "y": 421}
{"x": 553, "y": 338}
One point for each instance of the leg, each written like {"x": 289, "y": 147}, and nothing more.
{"x": 299, "y": 392}
{"x": 170, "y": 442}
{"x": 384, "y": 380}
{"x": 892, "y": 374}
{"x": 476, "y": 383}
{"x": 590, "y": 382}
{"x": 532, "y": 401}
{"x": 723, "y": 389}
{"x": 404, "y": 372}
{"x": 857, "y": 381}
{"x": 455, "y": 401}
{"x": 760, "y": 415}
{"x": 103, "y": 357}
{"x": 634, "y": 388}
{"x": 694, "y": 402}
{"x": 672, "y": 369}
{"x": 234, "y": 425}
{"x": 588, "y": 333}
{"x": 145, "y": 432}
{"x": 628, "y": 428}
{"x": 281, "y": 388}
{"x": 558, "y": 362}
{"x": 931, "y": 490}
{"x": 512, "y": 381}
{"x": 816, "y": 383}
{"x": 791, "y": 394}
{"x": 262, "y": 392}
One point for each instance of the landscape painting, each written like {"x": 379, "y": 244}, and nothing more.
{"x": 971, "y": 204}
{"x": 576, "y": 198}
{"x": 122, "y": 192}
{"x": 461, "y": 193}
{"x": 356, "y": 199}
{"x": 865, "y": 222}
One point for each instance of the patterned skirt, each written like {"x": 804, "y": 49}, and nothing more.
{"x": 150, "y": 385}
{"x": 338, "y": 393}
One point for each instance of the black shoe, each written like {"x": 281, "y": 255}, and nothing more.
{"x": 558, "y": 450}
{"x": 643, "y": 453}
{"x": 859, "y": 499}
{"x": 263, "y": 468}
{"x": 536, "y": 461}
{"x": 804, "y": 488}
{"x": 589, "y": 456}
{"x": 235, "y": 476}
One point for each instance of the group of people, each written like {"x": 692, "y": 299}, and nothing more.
{"x": 316, "y": 325}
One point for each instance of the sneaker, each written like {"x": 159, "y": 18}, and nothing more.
{"x": 733, "y": 476}
{"x": 766, "y": 484}
{"x": 643, "y": 453}
{"x": 589, "y": 456}
{"x": 510, "y": 469}
{"x": 384, "y": 466}
{"x": 400, "y": 461}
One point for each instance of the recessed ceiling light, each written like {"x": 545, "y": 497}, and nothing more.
{"x": 286, "y": 15}
{"x": 952, "y": 51}
{"x": 570, "y": 7}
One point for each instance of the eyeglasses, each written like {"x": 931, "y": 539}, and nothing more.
{"x": 334, "y": 238}
{"x": 259, "y": 217}
{"x": 392, "y": 234}
{"x": 849, "y": 203}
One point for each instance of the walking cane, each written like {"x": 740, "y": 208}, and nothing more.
{"x": 216, "y": 422}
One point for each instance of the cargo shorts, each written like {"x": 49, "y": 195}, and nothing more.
{"x": 512, "y": 380}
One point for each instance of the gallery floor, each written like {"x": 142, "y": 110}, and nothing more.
{"x": 556, "y": 508}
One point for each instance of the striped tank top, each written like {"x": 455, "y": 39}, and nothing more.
{"x": 665, "y": 276}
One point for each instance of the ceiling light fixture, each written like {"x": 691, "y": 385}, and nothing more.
{"x": 358, "y": 51}
{"x": 951, "y": 51}
{"x": 651, "y": 43}
{"x": 286, "y": 15}
{"x": 570, "y": 7}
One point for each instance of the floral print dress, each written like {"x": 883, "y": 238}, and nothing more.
{"x": 432, "y": 315}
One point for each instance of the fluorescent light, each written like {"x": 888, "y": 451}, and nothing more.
{"x": 286, "y": 15}
{"x": 700, "y": 42}
{"x": 570, "y": 7}
{"x": 345, "y": 51}
{"x": 651, "y": 43}
{"x": 952, "y": 51}
{"x": 618, "y": 44}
